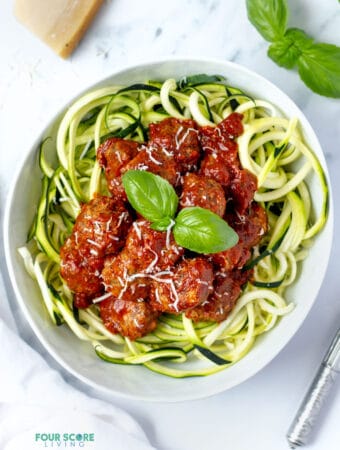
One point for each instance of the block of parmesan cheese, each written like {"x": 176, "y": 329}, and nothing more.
{"x": 59, "y": 23}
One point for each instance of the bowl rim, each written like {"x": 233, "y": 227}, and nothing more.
{"x": 31, "y": 147}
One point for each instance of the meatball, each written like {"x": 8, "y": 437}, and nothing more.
{"x": 233, "y": 258}
{"x": 177, "y": 138}
{"x": 222, "y": 164}
{"x": 122, "y": 279}
{"x": 204, "y": 192}
{"x": 101, "y": 226}
{"x": 213, "y": 141}
{"x": 81, "y": 275}
{"x": 242, "y": 190}
{"x": 113, "y": 154}
{"x": 130, "y": 319}
{"x": 251, "y": 226}
{"x": 221, "y": 153}
{"x": 154, "y": 160}
{"x": 215, "y": 166}
{"x": 232, "y": 126}
{"x": 250, "y": 229}
{"x": 146, "y": 252}
{"x": 227, "y": 288}
{"x": 151, "y": 250}
{"x": 99, "y": 230}
{"x": 187, "y": 286}
{"x": 220, "y": 161}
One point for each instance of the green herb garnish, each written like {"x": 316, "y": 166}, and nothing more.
{"x": 318, "y": 64}
{"x": 194, "y": 228}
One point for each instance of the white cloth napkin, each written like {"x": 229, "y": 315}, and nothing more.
{"x": 35, "y": 401}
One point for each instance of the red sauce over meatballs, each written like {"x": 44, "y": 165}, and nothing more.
{"x": 137, "y": 273}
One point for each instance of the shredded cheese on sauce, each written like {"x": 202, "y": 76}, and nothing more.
{"x": 168, "y": 233}
{"x": 90, "y": 241}
{"x": 108, "y": 223}
{"x": 153, "y": 262}
{"x": 179, "y": 140}
{"x": 154, "y": 160}
{"x": 101, "y": 298}
{"x": 118, "y": 156}
{"x": 166, "y": 152}
{"x": 124, "y": 215}
{"x": 138, "y": 230}
{"x": 157, "y": 296}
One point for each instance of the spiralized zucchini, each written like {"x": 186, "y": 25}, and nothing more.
{"x": 271, "y": 147}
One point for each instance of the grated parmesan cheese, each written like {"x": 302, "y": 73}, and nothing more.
{"x": 101, "y": 298}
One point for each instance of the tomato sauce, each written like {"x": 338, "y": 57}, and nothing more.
{"x": 114, "y": 259}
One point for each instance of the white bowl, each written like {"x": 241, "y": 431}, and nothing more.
{"x": 77, "y": 356}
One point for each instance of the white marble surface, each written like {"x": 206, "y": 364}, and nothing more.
{"x": 34, "y": 83}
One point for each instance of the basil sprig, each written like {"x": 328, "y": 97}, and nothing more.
{"x": 194, "y": 228}
{"x": 318, "y": 64}
{"x": 150, "y": 195}
{"x": 202, "y": 231}
{"x": 269, "y": 17}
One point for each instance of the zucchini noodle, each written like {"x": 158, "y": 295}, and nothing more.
{"x": 271, "y": 147}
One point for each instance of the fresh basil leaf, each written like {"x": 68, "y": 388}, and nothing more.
{"x": 300, "y": 38}
{"x": 319, "y": 68}
{"x": 269, "y": 17}
{"x": 150, "y": 195}
{"x": 162, "y": 224}
{"x": 286, "y": 51}
{"x": 202, "y": 231}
